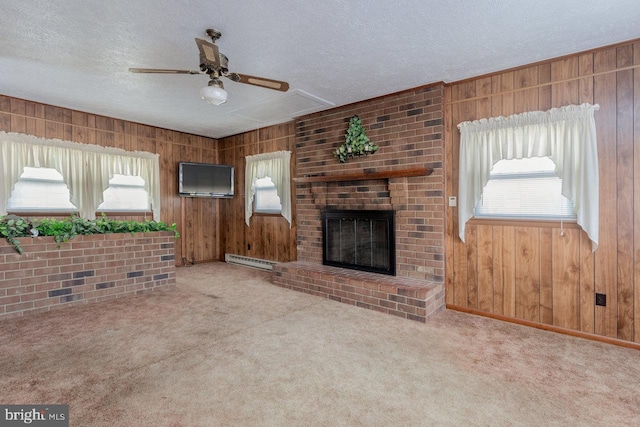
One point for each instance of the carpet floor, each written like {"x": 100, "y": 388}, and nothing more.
{"x": 228, "y": 348}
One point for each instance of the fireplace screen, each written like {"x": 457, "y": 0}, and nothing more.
{"x": 360, "y": 240}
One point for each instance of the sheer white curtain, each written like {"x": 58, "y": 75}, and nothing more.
{"x": 86, "y": 168}
{"x": 567, "y": 135}
{"x": 276, "y": 166}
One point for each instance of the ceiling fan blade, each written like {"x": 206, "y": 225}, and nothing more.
{"x": 259, "y": 81}
{"x": 162, "y": 71}
{"x": 209, "y": 53}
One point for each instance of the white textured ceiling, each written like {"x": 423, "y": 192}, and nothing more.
{"x": 75, "y": 53}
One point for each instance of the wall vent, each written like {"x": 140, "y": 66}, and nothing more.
{"x": 246, "y": 261}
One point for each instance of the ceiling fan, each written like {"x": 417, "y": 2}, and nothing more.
{"x": 215, "y": 64}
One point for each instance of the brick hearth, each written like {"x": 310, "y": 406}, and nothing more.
{"x": 408, "y": 298}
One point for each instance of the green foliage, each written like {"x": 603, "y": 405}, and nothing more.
{"x": 12, "y": 227}
{"x": 62, "y": 230}
{"x": 356, "y": 142}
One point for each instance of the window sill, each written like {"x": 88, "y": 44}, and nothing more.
{"x": 267, "y": 213}
{"x": 124, "y": 213}
{"x": 541, "y": 223}
{"x": 34, "y": 213}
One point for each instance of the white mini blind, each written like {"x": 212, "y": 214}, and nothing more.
{"x": 126, "y": 193}
{"x": 524, "y": 189}
{"x": 40, "y": 189}
{"x": 266, "y": 197}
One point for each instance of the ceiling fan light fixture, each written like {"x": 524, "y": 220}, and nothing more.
{"x": 214, "y": 93}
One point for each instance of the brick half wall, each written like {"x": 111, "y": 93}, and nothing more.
{"x": 86, "y": 269}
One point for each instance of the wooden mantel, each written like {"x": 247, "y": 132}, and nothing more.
{"x": 401, "y": 173}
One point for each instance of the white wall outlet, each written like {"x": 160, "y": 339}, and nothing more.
{"x": 453, "y": 201}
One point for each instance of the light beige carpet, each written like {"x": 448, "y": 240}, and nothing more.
{"x": 227, "y": 348}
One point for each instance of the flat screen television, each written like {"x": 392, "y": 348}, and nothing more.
{"x": 205, "y": 180}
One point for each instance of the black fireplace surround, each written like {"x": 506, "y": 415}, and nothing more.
{"x": 359, "y": 240}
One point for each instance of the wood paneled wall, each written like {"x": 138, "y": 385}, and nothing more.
{"x": 537, "y": 273}
{"x": 200, "y": 232}
{"x": 269, "y": 236}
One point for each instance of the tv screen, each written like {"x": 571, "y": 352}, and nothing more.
{"x": 205, "y": 180}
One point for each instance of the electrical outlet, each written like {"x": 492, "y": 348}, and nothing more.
{"x": 601, "y": 299}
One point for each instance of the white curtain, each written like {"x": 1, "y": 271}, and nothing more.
{"x": 276, "y": 166}
{"x": 567, "y": 135}
{"x": 86, "y": 168}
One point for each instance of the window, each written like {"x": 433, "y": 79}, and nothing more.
{"x": 276, "y": 166}
{"x": 524, "y": 189}
{"x": 85, "y": 170}
{"x": 125, "y": 193}
{"x": 566, "y": 135}
{"x": 40, "y": 189}
{"x": 266, "y": 198}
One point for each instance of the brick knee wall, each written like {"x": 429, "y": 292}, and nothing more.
{"x": 86, "y": 269}
{"x": 404, "y": 297}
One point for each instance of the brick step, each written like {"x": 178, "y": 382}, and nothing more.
{"x": 404, "y": 297}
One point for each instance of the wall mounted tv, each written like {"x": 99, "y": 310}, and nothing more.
{"x": 205, "y": 180}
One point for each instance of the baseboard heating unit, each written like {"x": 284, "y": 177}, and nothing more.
{"x": 246, "y": 261}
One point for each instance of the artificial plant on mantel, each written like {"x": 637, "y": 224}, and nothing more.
{"x": 356, "y": 142}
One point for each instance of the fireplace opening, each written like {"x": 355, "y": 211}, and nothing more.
{"x": 360, "y": 240}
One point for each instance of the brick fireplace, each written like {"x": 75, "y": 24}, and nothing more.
{"x": 408, "y": 129}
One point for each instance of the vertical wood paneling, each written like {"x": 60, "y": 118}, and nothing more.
{"x": 506, "y": 85}
{"x": 268, "y": 236}
{"x": 527, "y": 273}
{"x": 504, "y": 270}
{"x": 173, "y": 200}
{"x": 525, "y": 99}
{"x": 5, "y": 104}
{"x": 607, "y": 257}
{"x": 585, "y": 67}
{"x": 242, "y": 234}
{"x": 587, "y": 257}
{"x": 463, "y": 111}
{"x": 624, "y": 180}
{"x": 567, "y": 92}
{"x": 472, "y": 266}
{"x": 165, "y": 152}
{"x": 209, "y": 218}
{"x": 508, "y": 272}
{"x": 536, "y": 273}
{"x": 587, "y": 285}
{"x": 496, "y": 100}
{"x": 566, "y": 279}
{"x": 483, "y": 106}
{"x": 19, "y": 123}
{"x": 485, "y": 267}
{"x": 5, "y": 122}
{"x": 636, "y": 192}
{"x": 544, "y": 92}
{"x": 546, "y": 276}
{"x": 484, "y": 233}
{"x": 450, "y": 134}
